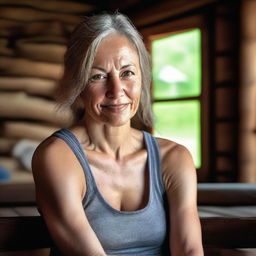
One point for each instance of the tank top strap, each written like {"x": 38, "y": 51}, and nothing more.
{"x": 154, "y": 160}
{"x": 75, "y": 146}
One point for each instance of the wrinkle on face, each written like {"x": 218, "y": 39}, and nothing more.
{"x": 115, "y": 55}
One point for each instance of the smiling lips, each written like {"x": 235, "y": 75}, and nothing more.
{"x": 115, "y": 108}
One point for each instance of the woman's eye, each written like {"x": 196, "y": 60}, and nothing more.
{"x": 127, "y": 73}
{"x": 97, "y": 77}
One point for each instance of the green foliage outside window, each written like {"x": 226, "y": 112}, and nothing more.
{"x": 177, "y": 74}
{"x": 177, "y": 65}
{"x": 180, "y": 121}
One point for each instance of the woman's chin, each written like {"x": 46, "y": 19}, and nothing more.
{"x": 114, "y": 120}
{"x": 118, "y": 123}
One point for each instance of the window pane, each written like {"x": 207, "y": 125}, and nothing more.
{"x": 176, "y": 63}
{"x": 180, "y": 122}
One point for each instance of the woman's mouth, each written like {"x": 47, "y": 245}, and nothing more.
{"x": 115, "y": 108}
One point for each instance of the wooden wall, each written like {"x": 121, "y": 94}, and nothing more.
{"x": 224, "y": 83}
{"x": 247, "y": 93}
{"x": 33, "y": 37}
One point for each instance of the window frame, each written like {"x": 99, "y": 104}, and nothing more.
{"x": 180, "y": 25}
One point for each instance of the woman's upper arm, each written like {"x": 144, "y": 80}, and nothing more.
{"x": 180, "y": 180}
{"x": 59, "y": 193}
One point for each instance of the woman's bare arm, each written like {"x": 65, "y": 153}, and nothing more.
{"x": 60, "y": 186}
{"x": 180, "y": 180}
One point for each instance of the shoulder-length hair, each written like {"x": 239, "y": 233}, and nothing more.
{"x": 79, "y": 59}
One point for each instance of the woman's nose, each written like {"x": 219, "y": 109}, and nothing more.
{"x": 114, "y": 88}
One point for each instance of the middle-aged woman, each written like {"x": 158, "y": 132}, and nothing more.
{"x": 104, "y": 187}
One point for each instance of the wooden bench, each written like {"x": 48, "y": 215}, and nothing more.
{"x": 208, "y": 194}
{"x": 17, "y": 194}
{"x": 226, "y": 194}
{"x": 30, "y": 233}
{"x": 20, "y": 234}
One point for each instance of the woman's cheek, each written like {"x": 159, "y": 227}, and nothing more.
{"x": 136, "y": 89}
{"x": 135, "y": 95}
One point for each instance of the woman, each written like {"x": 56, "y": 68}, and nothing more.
{"x": 107, "y": 188}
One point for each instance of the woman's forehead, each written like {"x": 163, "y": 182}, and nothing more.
{"x": 117, "y": 48}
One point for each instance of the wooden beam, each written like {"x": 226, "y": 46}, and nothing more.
{"x": 226, "y": 194}
{"x": 117, "y": 5}
{"x": 229, "y": 233}
{"x": 165, "y": 10}
{"x": 208, "y": 194}
{"x": 17, "y": 194}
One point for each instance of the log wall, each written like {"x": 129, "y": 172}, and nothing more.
{"x": 33, "y": 37}
{"x": 247, "y": 93}
{"x": 224, "y": 54}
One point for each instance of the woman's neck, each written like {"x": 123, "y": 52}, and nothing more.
{"x": 115, "y": 141}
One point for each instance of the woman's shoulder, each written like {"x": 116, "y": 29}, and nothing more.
{"x": 173, "y": 154}
{"x": 49, "y": 146}
{"x": 55, "y": 162}
{"x": 168, "y": 147}
{"x": 176, "y": 164}
{"x": 52, "y": 153}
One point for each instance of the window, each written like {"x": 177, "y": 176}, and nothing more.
{"x": 177, "y": 88}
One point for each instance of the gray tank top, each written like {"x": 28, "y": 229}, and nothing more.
{"x": 141, "y": 232}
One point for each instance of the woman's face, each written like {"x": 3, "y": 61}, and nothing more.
{"x": 113, "y": 91}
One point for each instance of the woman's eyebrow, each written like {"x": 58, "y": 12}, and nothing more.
{"x": 105, "y": 71}
{"x": 127, "y": 66}
{"x": 99, "y": 68}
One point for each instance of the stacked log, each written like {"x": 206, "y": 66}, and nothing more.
{"x": 224, "y": 94}
{"x": 33, "y": 38}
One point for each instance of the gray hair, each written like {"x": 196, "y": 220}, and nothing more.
{"x": 79, "y": 59}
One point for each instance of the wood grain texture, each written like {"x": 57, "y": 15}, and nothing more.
{"x": 29, "y": 233}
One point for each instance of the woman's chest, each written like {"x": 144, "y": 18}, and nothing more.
{"x": 123, "y": 184}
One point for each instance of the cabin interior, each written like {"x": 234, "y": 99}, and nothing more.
{"x": 33, "y": 39}
{"x": 210, "y": 86}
